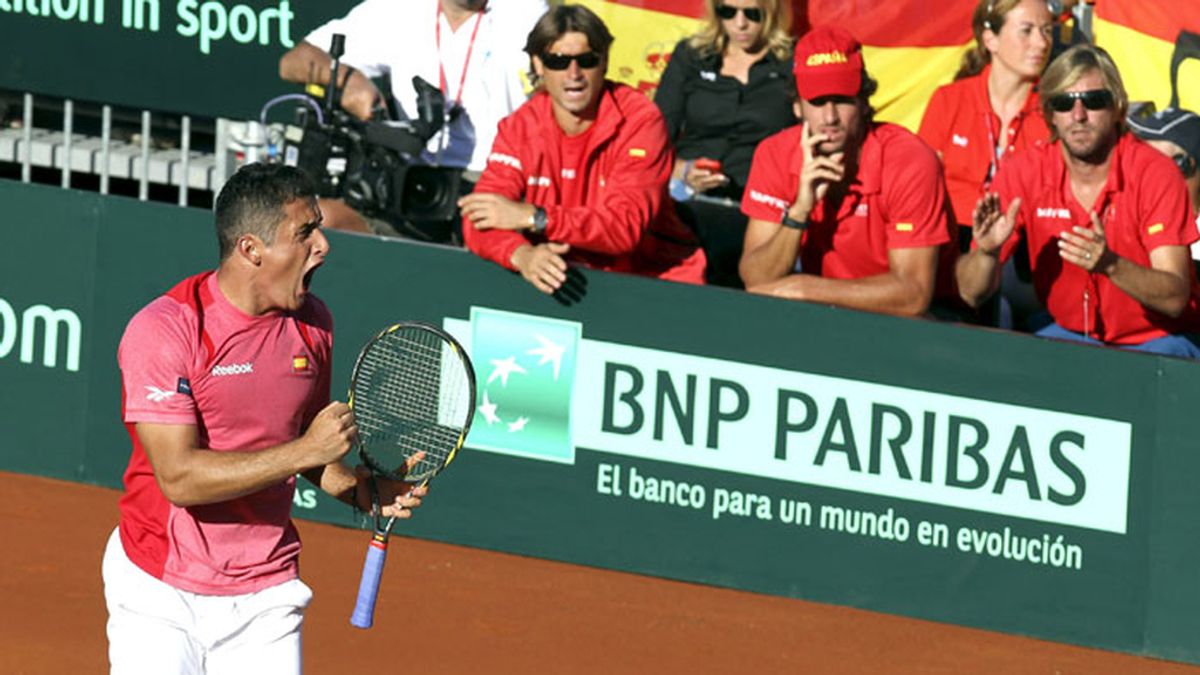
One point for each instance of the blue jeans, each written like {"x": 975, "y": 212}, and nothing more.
{"x": 1169, "y": 345}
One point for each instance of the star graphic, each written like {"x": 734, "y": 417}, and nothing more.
{"x": 503, "y": 368}
{"x": 519, "y": 425}
{"x": 489, "y": 410}
{"x": 549, "y": 351}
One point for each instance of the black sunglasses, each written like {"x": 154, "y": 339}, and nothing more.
{"x": 1093, "y": 99}
{"x": 727, "y": 12}
{"x": 586, "y": 60}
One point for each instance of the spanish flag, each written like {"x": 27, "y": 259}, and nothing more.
{"x": 912, "y": 47}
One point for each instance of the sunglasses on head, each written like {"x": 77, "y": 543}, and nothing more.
{"x": 1093, "y": 99}
{"x": 585, "y": 60}
{"x": 727, "y": 12}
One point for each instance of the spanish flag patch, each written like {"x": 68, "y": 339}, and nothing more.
{"x": 299, "y": 363}
{"x": 1155, "y": 228}
{"x": 904, "y": 227}
{"x": 637, "y": 152}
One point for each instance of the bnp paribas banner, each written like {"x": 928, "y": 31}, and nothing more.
{"x": 546, "y": 391}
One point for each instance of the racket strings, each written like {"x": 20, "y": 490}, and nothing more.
{"x": 411, "y": 393}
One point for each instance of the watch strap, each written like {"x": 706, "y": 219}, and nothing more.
{"x": 789, "y": 221}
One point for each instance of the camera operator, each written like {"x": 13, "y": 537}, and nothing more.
{"x": 471, "y": 49}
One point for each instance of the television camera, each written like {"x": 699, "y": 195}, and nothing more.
{"x": 374, "y": 165}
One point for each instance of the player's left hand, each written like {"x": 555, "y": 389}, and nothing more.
{"x": 1087, "y": 247}
{"x": 397, "y": 497}
{"x": 488, "y": 211}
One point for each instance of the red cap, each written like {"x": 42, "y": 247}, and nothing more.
{"x": 828, "y": 63}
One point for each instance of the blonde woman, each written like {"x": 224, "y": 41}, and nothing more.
{"x": 724, "y": 90}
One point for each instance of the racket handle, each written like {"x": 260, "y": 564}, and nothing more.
{"x": 368, "y": 588}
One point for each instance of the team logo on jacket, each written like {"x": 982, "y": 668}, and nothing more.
{"x": 502, "y": 158}
{"x": 769, "y": 200}
{"x": 1051, "y": 212}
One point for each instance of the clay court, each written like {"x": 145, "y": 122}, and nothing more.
{"x": 475, "y": 612}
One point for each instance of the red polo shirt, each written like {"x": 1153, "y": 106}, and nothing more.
{"x": 1143, "y": 205}
{"x": 960, "y": 125}
{"x": 897, "y": 199}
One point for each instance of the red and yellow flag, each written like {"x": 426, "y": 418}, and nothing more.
{"x": 911, "y": 47}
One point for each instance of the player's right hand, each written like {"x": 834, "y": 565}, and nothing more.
{"x": 990, "y": 225}
{"x": 817, "y": 174}
{"x": 331, "y": 434}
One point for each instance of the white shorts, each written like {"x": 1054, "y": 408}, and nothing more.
{"x": 157, "y": 629}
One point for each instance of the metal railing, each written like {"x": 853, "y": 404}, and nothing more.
{"x": 73, "y": 153}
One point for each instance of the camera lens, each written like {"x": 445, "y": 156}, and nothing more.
{"x": 430, "y": 192}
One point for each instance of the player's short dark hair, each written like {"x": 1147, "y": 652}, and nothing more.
{"x": 252, "y": 201}
{"x": 563, "y": 19}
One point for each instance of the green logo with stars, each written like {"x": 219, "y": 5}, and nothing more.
{"x": 525, "y": 372}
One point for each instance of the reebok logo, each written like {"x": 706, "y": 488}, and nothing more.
{"x": 960, "y": 141}
{"x": 233, "y": 369}
{"x": 158, "y": 395}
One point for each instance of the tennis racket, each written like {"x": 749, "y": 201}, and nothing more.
{"x": 412, "y": 390}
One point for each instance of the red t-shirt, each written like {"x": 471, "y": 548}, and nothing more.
{"x": 1143, "y": 205}
{"x": 246, "y": 383}
{"x": 896, "y": 200}
{"x": 960, "y": 125}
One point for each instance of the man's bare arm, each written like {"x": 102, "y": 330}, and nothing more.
{"x": 308, "y": 64}
{"x": 190, "y": 475}
{"x": 769, "y": 252}
{"x": 906, "y": 289}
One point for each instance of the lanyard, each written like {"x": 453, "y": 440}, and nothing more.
{"x": 466, "y": 62}
{"x": 994, "y": 149}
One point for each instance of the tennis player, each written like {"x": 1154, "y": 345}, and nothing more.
{"x": 226, "y": 399}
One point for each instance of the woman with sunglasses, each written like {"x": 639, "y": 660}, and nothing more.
{"x": 724, "y": 90}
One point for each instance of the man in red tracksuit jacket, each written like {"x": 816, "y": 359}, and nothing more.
{"x": 578, "y": 175}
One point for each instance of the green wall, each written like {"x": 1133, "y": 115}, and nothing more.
{"x": 745, "y": 401}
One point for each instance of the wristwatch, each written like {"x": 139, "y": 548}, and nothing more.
{"x": 789, "y": 221}
{"x": 537, "y": 222}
